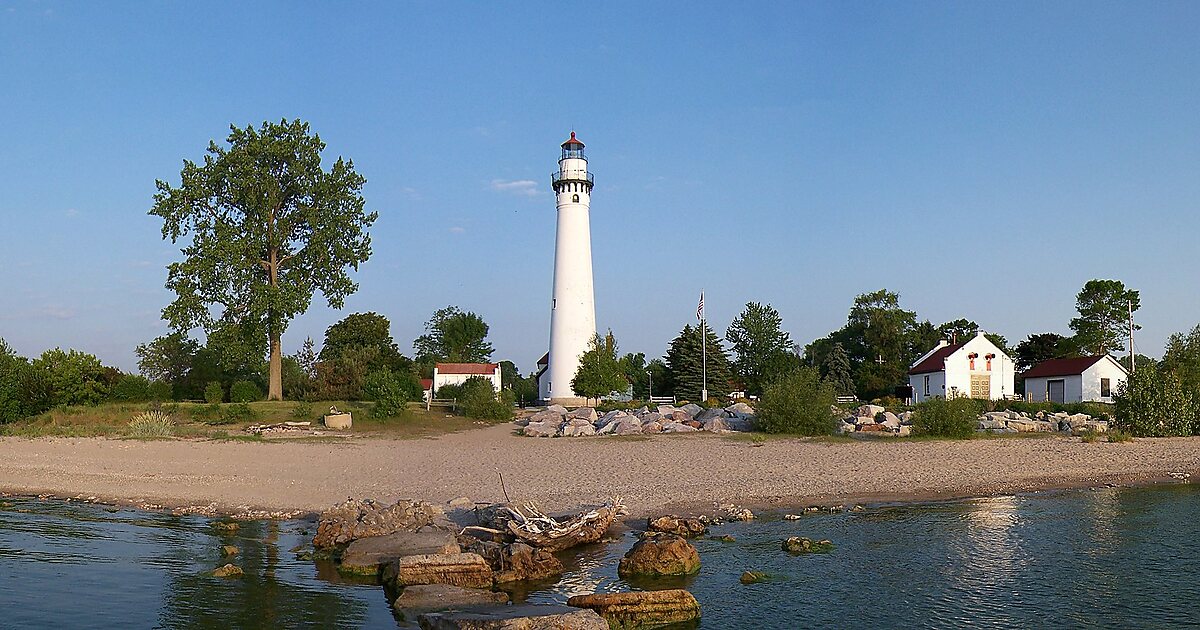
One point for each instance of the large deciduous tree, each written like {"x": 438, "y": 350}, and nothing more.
{"x": 168, "y": 358}
{"x": 1042, "y": 347}
{"x": 1182, "y": 358}
{"x": 455, "y": 336}
{"x": 599, "y": 372}
{"x": 1103, "y": 323}
{"x": 266, "y": 227}
{"x": 365, "y": 330}
{"x": 761, "y": 349}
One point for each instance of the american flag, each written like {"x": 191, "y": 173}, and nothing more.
{"x": 700, "y": 308}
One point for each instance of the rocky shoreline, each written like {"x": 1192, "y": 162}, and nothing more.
{"x": 557, "y": 421}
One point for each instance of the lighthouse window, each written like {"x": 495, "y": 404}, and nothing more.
{"x": 575, "y": 198}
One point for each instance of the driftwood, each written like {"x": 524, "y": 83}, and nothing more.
{"x": 533, "y": 527}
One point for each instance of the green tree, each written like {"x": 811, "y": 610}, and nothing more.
{"x": 169, "y": 359}
{"x": 877, "y": 339}
{"x": 1103, "y": 323}
{"x": 266, "y": 227}
{"x": 453, "y": 336}
{"x": 658, "y": 379}
{"x": 800, "y": 402}
{"x": 836, "y": 371}
{"x": 24, "y": 391}
{"x": 761, "y": 349}
{"x": 599, "y": 372}
{"x": 360, "y": 330}
{"x": 1153, "y": 403}
{"x": 685, "y": 363}
{"x": 509, "y": 374}
{"x": 75, "y": 378}
{"x": 633, "y": 367}
{"x": 1182, "y": 358}
{"x": 1042, "y": 347}
{"x": 957, "y": 331}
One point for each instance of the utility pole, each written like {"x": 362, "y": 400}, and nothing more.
{"x": 1132, "y": 356}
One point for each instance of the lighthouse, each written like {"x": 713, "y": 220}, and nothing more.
{"x": 573, "y": 303}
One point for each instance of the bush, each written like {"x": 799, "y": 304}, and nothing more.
{"x": 131, "y": 388}
{"x": 236, "y": 412}
{"x": 799, "y": 403}
{"x": 479, "y": 400}
{"x": 207, "y": 413}
{"x": 387, "y": 391}
{"x": 1117, "y": 435}
{"x": 24, "y": 391}
{"x": 939, "y": 417}
{"x": 160, "y": 391}
{"x": 1152, "y": 404}
{"x": 213, "y": 393}
{"x": 75, "y": 378}
{"x": 244, "y": 392}
{"x": 302, "y": 411}
{"x": 151, "y": 424}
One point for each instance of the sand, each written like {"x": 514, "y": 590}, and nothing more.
{"x": 654, "y": 474}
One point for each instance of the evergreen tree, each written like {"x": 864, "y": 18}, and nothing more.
{"x": 684, "y": 360}
{"x": 1103, "y": 323}
{"x": 599, "y": 372}
{"x": 836, "y": 370}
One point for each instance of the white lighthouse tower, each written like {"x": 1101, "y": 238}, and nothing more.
{"x": 573, "y": 305}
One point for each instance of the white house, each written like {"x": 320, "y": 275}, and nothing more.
{"x": 458, "y": 373}
{"x": 1090, "y": 379}
{"x": 976, "y": 368}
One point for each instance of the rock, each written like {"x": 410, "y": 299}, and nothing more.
{"x": 906, "y": 417}
{"x": 681, "y": 416}
{"x": 366, "y": 556}
{"x": 675, "y": 427}
{"x": 1097, "y": 426}
{"x": 660, "y": 554}
{"x": 686, "y": 527}
{"x": 1022, "y": 426}
{"x": 583, "y": 413}
{"x": 752, "y": 577}
{"x": 609, "y": 418}
{"x": 792, "y": 517}
{"x": 628, "y": 426}
{"x": 861, "y": 420}
{"x": 711, "y": 414}
{"x": 740, "y": 408}
{"x": 725, "y": 538}
{"x": 1045, "y": 427}
{"x": 652, "y": 427}
{"x": 716, "y": 425}
{"x": 229, "y": 570}
{"x": 610, "y": 428}
{"x": 891, "y": 421}
{"x": 868, "y": 411}
{"x": 520, "y": 563}
{"x": 425, "y": 598}
{"x": 665, "y": 410}
{"x": 735, "y": 513}
{"x": 570, "y": 429}
{"x": 545, "y": 416}
{"x": 225, "y": 526}
{"x": 468, "y": 570}
{"x": 872, "y": 428}
{"x": 692, "y": 409}
{"x": 338, "y": 421}
{"x": 740, "y": 423}
{"x": 522, "y": 617}
{"x": 988, "y": 424}
{"x": 460, "y": 502}
{"x": 229, "y": 550}
{"x": 641, "y": 609}
{"x": 651, "y": 416}
{"x": 905, "y": 430}
{"x": 846, "y": 427}
{"x": 354, "y": 519}
{"x": 800, "y": 544}
{"x": 542, "y": 429}
{"x": 558, "y": 409}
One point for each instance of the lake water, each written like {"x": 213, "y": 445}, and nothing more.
{"x": 1109, "y": 558}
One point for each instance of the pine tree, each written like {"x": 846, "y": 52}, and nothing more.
{"x": 836, "y": 369}
{"x": 685, "y": 362}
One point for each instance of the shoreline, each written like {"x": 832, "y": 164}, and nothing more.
{"x": 282, "y": 480}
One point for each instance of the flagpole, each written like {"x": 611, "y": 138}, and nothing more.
{"x": 703, "y": 352}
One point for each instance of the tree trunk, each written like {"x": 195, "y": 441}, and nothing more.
{"x": 275, "y": 386}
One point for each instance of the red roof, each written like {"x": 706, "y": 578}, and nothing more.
{"x": 426, "y": 383}
{"x": 936, "y": 362}
{"x": 1063, "y": 367}
{"x": 467, "y": 368}
{"x": 572, "y": 140}
{"x": 545, "y": 360}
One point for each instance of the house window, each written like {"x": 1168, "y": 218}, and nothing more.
{"x": 1105, "y": 387}
{"x": 926, "y": 385}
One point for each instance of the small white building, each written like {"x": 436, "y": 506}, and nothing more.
{"x": 976, "y": 368}
{"x": 1084, "y": 379}
{"x": 458, "y": 373}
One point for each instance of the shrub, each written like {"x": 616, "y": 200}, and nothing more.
{"x": 1117, "y": 435}
{"x": 24, "y": 391}
{"x": 75, "y": 378}
{"x": 236, "y": 412}
{"x": 799, "y": 403}
{"x": 207, "y": 413}
{"x": 939, "y": 417}
{"x": 151, "y": 424}
{"x": 480, "y": 400}
{"x": 244, "y": 392}
{"x": 160, "y": 391}
{"x": 302, "y": 411}
{"x": 388, "y": 393}
{"x": 131, "y": 388}
{"x": 214, "y": 393}
{"x": 1153, "y": 404}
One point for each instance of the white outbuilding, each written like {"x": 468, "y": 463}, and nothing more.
{"x": 975, "y": 368}
{"x": 458, "y": 373}
{"x": 1082, "y": 379}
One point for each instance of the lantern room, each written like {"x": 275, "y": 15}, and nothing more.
{"x": 573, "y": 148}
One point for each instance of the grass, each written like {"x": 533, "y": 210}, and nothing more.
{"x": 193, "y": 420}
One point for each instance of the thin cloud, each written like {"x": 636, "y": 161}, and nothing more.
{"x": 56, "y": 312}
{"x": 72, "y": 212}
{"x": 522, "y": 187}
{"x": 457, "y": 229}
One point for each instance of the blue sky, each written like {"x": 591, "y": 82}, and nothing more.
{"x": 984, "y": 160}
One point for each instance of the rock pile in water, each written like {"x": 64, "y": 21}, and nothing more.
{"x": 362, "y": 518}
{"x": 557, "y": 421}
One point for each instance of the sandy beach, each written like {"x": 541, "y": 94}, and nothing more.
{"x": 652, "y": 474}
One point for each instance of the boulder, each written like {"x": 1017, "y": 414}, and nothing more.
{"x": 716, "y": 425}
{"x": 990, "y": 424}
{"x": 651, "y": 427}
{"x": 545, "y": 416}
{"x": 692, "y": 409}
{"x": 740, "y": 423}
{"x": 752, "y": 577}
{"x": 641, "y": 609}
{"x": 846, "y": 427}
{"x": 651, "y": 416}
{"x": 1097, "y": 426}
{"x": 891, "y": 421}
{"x": 520, "y": 562}
{"x": 1022, "y": 426}
{"x": 469, "y": 570}
{"x": 868, "y": 411}
{"x": 229, "y": 550}
{"x": 665, "y": 410}
{"x": 660, "y": 554}
{"x": 542, "y": 429}
{"x": 521, "y": 617}
{"x": 861, "y": 420}
{"x": 872, "y": 428}
{"x": 228, "y": 570}
{"x": 800, "y": 544}
{"x": 558, "y": 409}
{"x": 583, "y": 413}
{"x": 676, "y": 427}
{"x": 1045, "y": 427}
{"x": 354, "y": 519}
{"x": 366, "y": 556}
{"x": 629, "y": 426}
{"x": 686, "y": 527}
{"x": 425, "y": 598}
{"x": 576, "y": 429}
{"x": 740, "y": 409}
{"x": 905, "y": 430}
{"x": 609, "y": 418}
{"x": 610, "y": 428}
{"x": 681, "y": 416}
{"x": 906, "y": 417}
{"x": 710, "y": 414}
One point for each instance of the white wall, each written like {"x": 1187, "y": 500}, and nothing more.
{"x": 958, "y": 372}
{"x": 937, "y": 386}
{"x": 440, "y": 380}
{"x": 1036, "y": 388}
{"x": 572, "y": 306}
{"x": 1104, "y": 368}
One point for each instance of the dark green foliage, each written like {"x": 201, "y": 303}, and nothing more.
{"x": 1042, "y": 347}
{"x": 170, "y": 359}
{"x": 477, "y": 399}
{"x": 74, "y": 378}
{"x": 957, "y": 331}
{"x": 599, "y": 372}
{"x": 799, "y": 403}
{"x": 365, "y": 330}
{"x": 214, "y": 393}
{"x": 760, "y": 347}
{"x": 660, "y": 377}
{"x": 1153, "y": 403}
{"x": 454, "y": 336}
{"x": 266, "y": 226}
{"x": 236, "y": 412}
{"x": 939, "y": 417}
{"x": 390, "y": 392}
{"x": 836, "y": 371}
{"x": 1182, "y": 358}
{"x": 160, "y": 391}
{"x": 685, "y": 365}
{"x": 131, "y": 388}
{"x": 302, "y": 411}
{"x": 209, "y": 413}
{"x": 1103, "y": 323}
{"x": 244, "y": 392}
{"x": 342, "y": 378}
{"x": 24, "y": 391}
